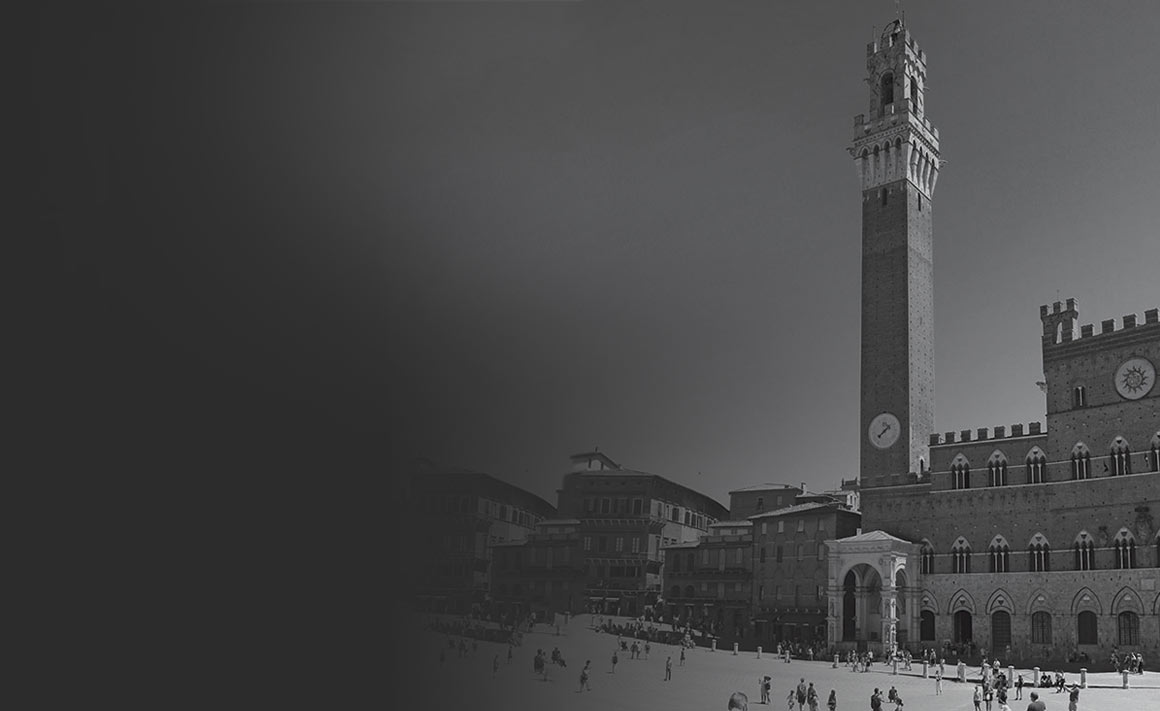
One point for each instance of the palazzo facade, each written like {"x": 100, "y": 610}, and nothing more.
{"x": 1031, "y": 542}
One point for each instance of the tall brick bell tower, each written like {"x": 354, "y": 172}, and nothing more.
{"x": 896, "y": 152}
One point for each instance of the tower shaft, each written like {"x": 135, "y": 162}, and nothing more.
{"x": 896, "y": 153}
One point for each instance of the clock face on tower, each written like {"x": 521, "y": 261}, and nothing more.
{"x": 1134, "y": 378}
{"x": 884, "y": 430}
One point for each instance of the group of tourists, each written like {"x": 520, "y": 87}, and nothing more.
{"x": 635, "y": 650}
{"x": 859, "y": 661}
{"x": 803, "y": 695}
{"x": 1131, "y": 662}
{"x": 540, "y": 661}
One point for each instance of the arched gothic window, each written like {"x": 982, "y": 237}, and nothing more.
{"x": 927, "y": 558}
{"x": 1087, "y": 628}
{"x": 997, "y": 470}
{"x": 887, "y": 89}
{"x": 1125, "y": 547}
{"x": 1036, "y": 466}
{"x": 1121, "y": 457}
{"x": 1128, "y": 629}
{"x": 1081, "y": 462}
{"x": 1039, "y": 552}
{"x": 960, "y": 474}
{"x": 1041, "y": 627}
{"x": 1084, "y": 551}
{"x": 1079, "y": 397}
{"x": 961, "y": 556}
{"x": 999, "y": 555}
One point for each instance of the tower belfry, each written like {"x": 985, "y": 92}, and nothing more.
{"x": 896, "y": 152}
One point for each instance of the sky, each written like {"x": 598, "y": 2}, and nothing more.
{"x": 340, "y": 237}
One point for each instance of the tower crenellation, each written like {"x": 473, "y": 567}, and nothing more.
{"x": 1059, "y": 321}
{"x": 982, "y": 434}
{"x": 895, "y": 140}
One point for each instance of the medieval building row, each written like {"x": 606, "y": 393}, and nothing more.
{"x": 625, "y": 542}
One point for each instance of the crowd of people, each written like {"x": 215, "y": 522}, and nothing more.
{"x": 636, "y": 639}
{"x": 1131, "y": 662}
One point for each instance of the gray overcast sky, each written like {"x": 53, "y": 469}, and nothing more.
{"x": 494, "y": 234}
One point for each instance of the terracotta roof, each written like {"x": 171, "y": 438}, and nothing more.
{"x": 796, "y": 508}
{"x": 763, "y": 487}
{"x": 872, "y": 536}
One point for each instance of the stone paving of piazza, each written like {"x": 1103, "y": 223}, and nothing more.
{"x": 705, "y": 682}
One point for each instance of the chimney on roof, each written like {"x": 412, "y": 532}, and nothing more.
{"x": 803, "y": 487}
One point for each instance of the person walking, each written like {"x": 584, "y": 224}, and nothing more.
{"x": 977, "y": 697}
{"x": 801, "y": 693}
{"x": 988, "y": 696}
{"x": 647, "y": 648}
{"x": 1073, "y": 697}
{"x": 789, "y": 699}
{"x": 495, "y": 666}
{"x": 812, "y": 697}
{"x": 832, "y": 702}
{"x": 615, "y": 659}
{"x": 938, "y": 684}
{"x": 585, "y": 673}
{"x": 1036, "y": 704}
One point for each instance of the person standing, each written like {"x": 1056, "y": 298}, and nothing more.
{"x": 1036, "y": 704}
{"x": 647, "y": 648}
{"x": 977, "y": 698}
{"x": 801, "y": 693}
{"x": 669, "y": 668}
{"x": 1019, "y": 687}
{"x": 682, "y": 656}
{"x": 812, "y": 697}
{"x": 938, "y": 683}
{"x": 585, "y": 673}
{"x": 738, "y": 702}
{"x": 832, "y": 703}
{"x": 615, "y": 659}
{"x": 988, "y": 696}
{"x": 1073, "y": 697}
{"x": 495, "y": 666}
